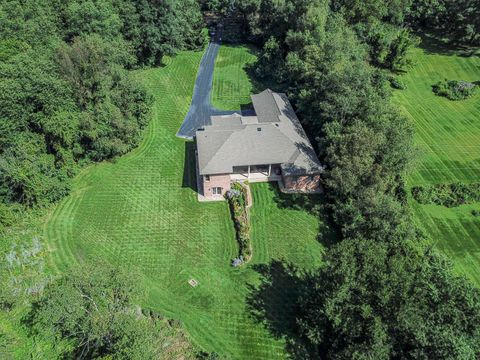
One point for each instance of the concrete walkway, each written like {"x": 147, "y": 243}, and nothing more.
{"x": 201, "y": 107}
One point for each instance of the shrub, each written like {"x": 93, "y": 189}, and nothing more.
{"x": 449, "y": 195}
{"x": 237, "y": 199}
{"x": 397, "y": 83}
{"x": 454, "y": 89}
{"x": 476, "y": 213}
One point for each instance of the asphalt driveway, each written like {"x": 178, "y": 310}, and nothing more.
{"x": 201, "y": 107}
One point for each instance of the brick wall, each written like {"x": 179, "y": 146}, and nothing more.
{"x": 302, "y": 183}
{"x": 222, "y": 180}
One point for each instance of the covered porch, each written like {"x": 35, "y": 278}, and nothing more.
{"x": 257, "y": 173}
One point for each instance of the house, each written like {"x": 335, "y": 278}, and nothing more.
{"x": 269, "y": 146}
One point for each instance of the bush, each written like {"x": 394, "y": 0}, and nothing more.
{"x": 237, "y": 199}
{"x": 476, "y": 213}
{"x": 449, "y": 195}
{"x": 454, "y": 89}
{"x": 397, "y": 83}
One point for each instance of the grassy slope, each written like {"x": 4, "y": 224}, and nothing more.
{"x": 448, "y": 136}
{"x": 231, "y": 86}
{"x": 142, "y": 213}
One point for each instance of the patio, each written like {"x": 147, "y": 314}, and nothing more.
{"x": 257, "y": 173}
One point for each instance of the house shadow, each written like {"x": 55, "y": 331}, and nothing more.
{"x": 247, "y": 109}
{"x": 274, "y": 303}
{"x": 189, "y": 167}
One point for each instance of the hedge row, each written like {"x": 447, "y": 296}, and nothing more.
{"x": 449, "y": 195}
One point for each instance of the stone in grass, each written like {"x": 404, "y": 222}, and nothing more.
{"x": 237, "y": 261}
{"x": 193, "y": 282}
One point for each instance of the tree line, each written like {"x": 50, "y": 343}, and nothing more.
{"x": 66, "y": 97}
{"x": 383, "y": 291}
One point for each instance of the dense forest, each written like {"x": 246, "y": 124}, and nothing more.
{"x": 68, "y": 98}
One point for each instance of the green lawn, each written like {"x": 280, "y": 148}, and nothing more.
{"x": 142, "y": 214}
{"x": 448, "y": 138}
{"x": 231, "y": 85}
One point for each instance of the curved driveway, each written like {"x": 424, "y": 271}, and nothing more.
{"x": 201, "y": 107}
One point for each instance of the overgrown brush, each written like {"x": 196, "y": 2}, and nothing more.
{"x": 449, "y": 195}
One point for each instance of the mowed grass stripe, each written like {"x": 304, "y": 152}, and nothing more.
{"x": 282, "y": 232}
{"x": 442, "y": 154}
{"x": 455, "y": 234}
{"x": 142, "y": 214}
{"x": 442, "y": 124}
{"x": 447, "y": 133}
{"x": 231, "y": 85}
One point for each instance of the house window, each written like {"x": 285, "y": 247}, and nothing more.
{"x": 217, "y": 191}
{"x": 207, "y": 178}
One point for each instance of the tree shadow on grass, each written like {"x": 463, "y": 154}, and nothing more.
{"x": 189, "y": 167}
{"x": 311, "y": 203}
{"x": 260, "y": 84}
{"x": 274, "y": 304}
{"x": 314, "y": 204}
{"x": 434, "y": 42}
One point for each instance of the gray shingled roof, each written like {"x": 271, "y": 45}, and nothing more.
{"x": 273, "y": 136}
{"x": 265, "y": 106}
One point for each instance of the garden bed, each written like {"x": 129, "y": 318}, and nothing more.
{"x": 238, "y": 201}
